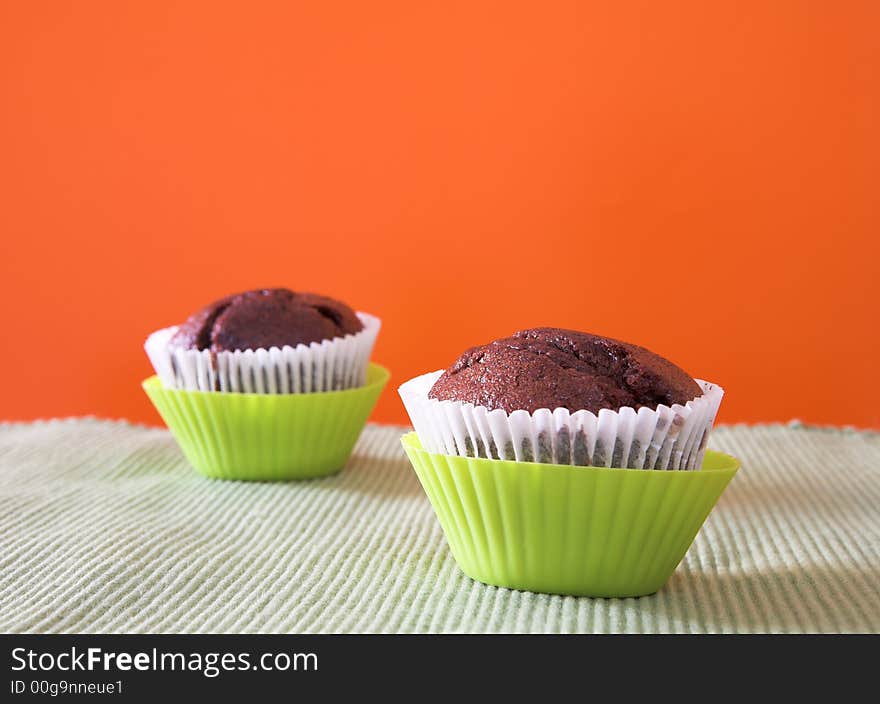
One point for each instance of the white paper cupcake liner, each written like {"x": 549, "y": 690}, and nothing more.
{"x": 668, "y": 437}
{"x": 329, "y": 365}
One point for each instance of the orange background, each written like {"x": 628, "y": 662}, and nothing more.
{"x": 699, "y": 178}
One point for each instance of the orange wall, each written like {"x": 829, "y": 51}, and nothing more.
{"x": 700, "y": 178}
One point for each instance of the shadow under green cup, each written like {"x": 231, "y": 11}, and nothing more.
{"x": 267, "y": 436}
{"x": 562, "y": 529}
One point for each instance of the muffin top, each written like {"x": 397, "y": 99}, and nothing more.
{"x": 553, "y": 368}
{"x": 264, "y": 318}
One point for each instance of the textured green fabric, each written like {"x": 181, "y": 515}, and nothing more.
{"x": 104, "y": 528}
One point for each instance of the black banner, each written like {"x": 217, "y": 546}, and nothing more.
{"x": 136, "y": 667}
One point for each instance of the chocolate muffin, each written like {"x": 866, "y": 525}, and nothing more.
{"x": 266, "y": 318}
{"x": 553, "y": 368}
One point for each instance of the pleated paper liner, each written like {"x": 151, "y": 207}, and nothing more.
{"x": 562, "y": 529}
{"x": 667, "y": 437}
{"x": 329, "y": 365}
{"x": 267, "y": 436}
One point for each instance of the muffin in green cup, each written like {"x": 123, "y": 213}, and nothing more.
{"x": 542, "y": 480}
{"x": 267, "y": 384}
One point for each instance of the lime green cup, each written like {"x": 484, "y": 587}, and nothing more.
{"x": 582, "y": 531}
{"x": 267, "y": 436}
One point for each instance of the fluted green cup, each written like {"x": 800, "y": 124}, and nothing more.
{"x": 267, "y": 436}
{"x": 584, "y": 531}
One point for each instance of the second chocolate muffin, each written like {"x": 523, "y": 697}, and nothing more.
{"x": 270, "y": 340}
{"x": 265, "y": 318}
{"x": 554, "y": 368}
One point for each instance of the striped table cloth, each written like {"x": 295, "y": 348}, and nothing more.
{"x": 105, "y": 529}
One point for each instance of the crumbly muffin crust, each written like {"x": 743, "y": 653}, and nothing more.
{"x": 555, "y": 368}
{"x": 266, "y": 318}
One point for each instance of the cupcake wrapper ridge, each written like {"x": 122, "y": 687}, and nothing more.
{"x": 668, "y": 437}
{"x": 267, "y": 436}
{"x": 329, "y": 365}
{"x": 584, "y": 531}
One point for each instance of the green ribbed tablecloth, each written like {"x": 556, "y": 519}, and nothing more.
{"x": 104, "y": 528}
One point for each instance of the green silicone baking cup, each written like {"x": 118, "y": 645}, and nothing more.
{"x": 560, "y": 529}
{"x": 267, "y": 436}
